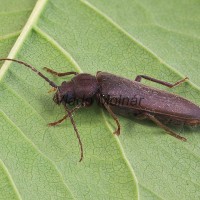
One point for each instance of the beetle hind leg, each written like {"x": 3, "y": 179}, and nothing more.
{"x": 168, "y": 130}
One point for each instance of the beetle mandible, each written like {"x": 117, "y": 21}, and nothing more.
{"x": 121, "y": 96}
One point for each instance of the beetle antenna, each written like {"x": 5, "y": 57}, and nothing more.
{"x": 33, "y": 69}
{"x": 76, "y": 131}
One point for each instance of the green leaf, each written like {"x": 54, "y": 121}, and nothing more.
{"x": 13, "y": 16}
{"x": 126, "y": 38}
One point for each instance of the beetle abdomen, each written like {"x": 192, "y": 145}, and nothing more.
{"x": 136, "y": 97}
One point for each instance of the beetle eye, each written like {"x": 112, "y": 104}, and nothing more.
{"x": 69, "y": 98}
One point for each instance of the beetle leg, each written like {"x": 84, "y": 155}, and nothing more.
{"x": 170, "y": 85}
{"x": 117, "y": 132}
{"x": 59, "y": 73}
{"x": 140, "y": 117}
{"x": 168, "y": 130}
{"x": 59, "y": 121}
{"x": 76, "y": 131}
{"x": 67, "y": 115}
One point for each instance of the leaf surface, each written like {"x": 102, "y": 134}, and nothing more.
{"x": 125, "y": 38}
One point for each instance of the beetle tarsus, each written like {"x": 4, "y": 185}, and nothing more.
{"x": 58, "y": 122}
{"x": 117, "y": 132}
{"x": 81, "y": 157}
{"x": 183, "y": 139}
{"x": 179, "y": 82}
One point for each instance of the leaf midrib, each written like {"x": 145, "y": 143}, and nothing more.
{"x": 25, "y": 31}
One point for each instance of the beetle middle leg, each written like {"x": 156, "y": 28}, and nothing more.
{"x": 59, "y": 73}
{"x": 170, "y": 85}
{"x": 117, "y": 132}
{"x": 168, "y": 130}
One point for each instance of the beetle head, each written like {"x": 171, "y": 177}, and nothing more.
{"x": 64, "y": 93}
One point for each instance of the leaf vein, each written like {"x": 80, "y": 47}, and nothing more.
{"x": 11, "y": 179}
{"x": 37, "y": 150}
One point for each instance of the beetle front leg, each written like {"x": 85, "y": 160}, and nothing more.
{"x": 170, "y": 85}
{"x": 67, "y": 115}
{"x": 76, "y": 130}
{"x": 59, "y": 121}
{"x": 59, "y": 73}
{"x": 168, "y": 130}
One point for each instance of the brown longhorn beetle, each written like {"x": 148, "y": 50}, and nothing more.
{"x": 121, "y": 96}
